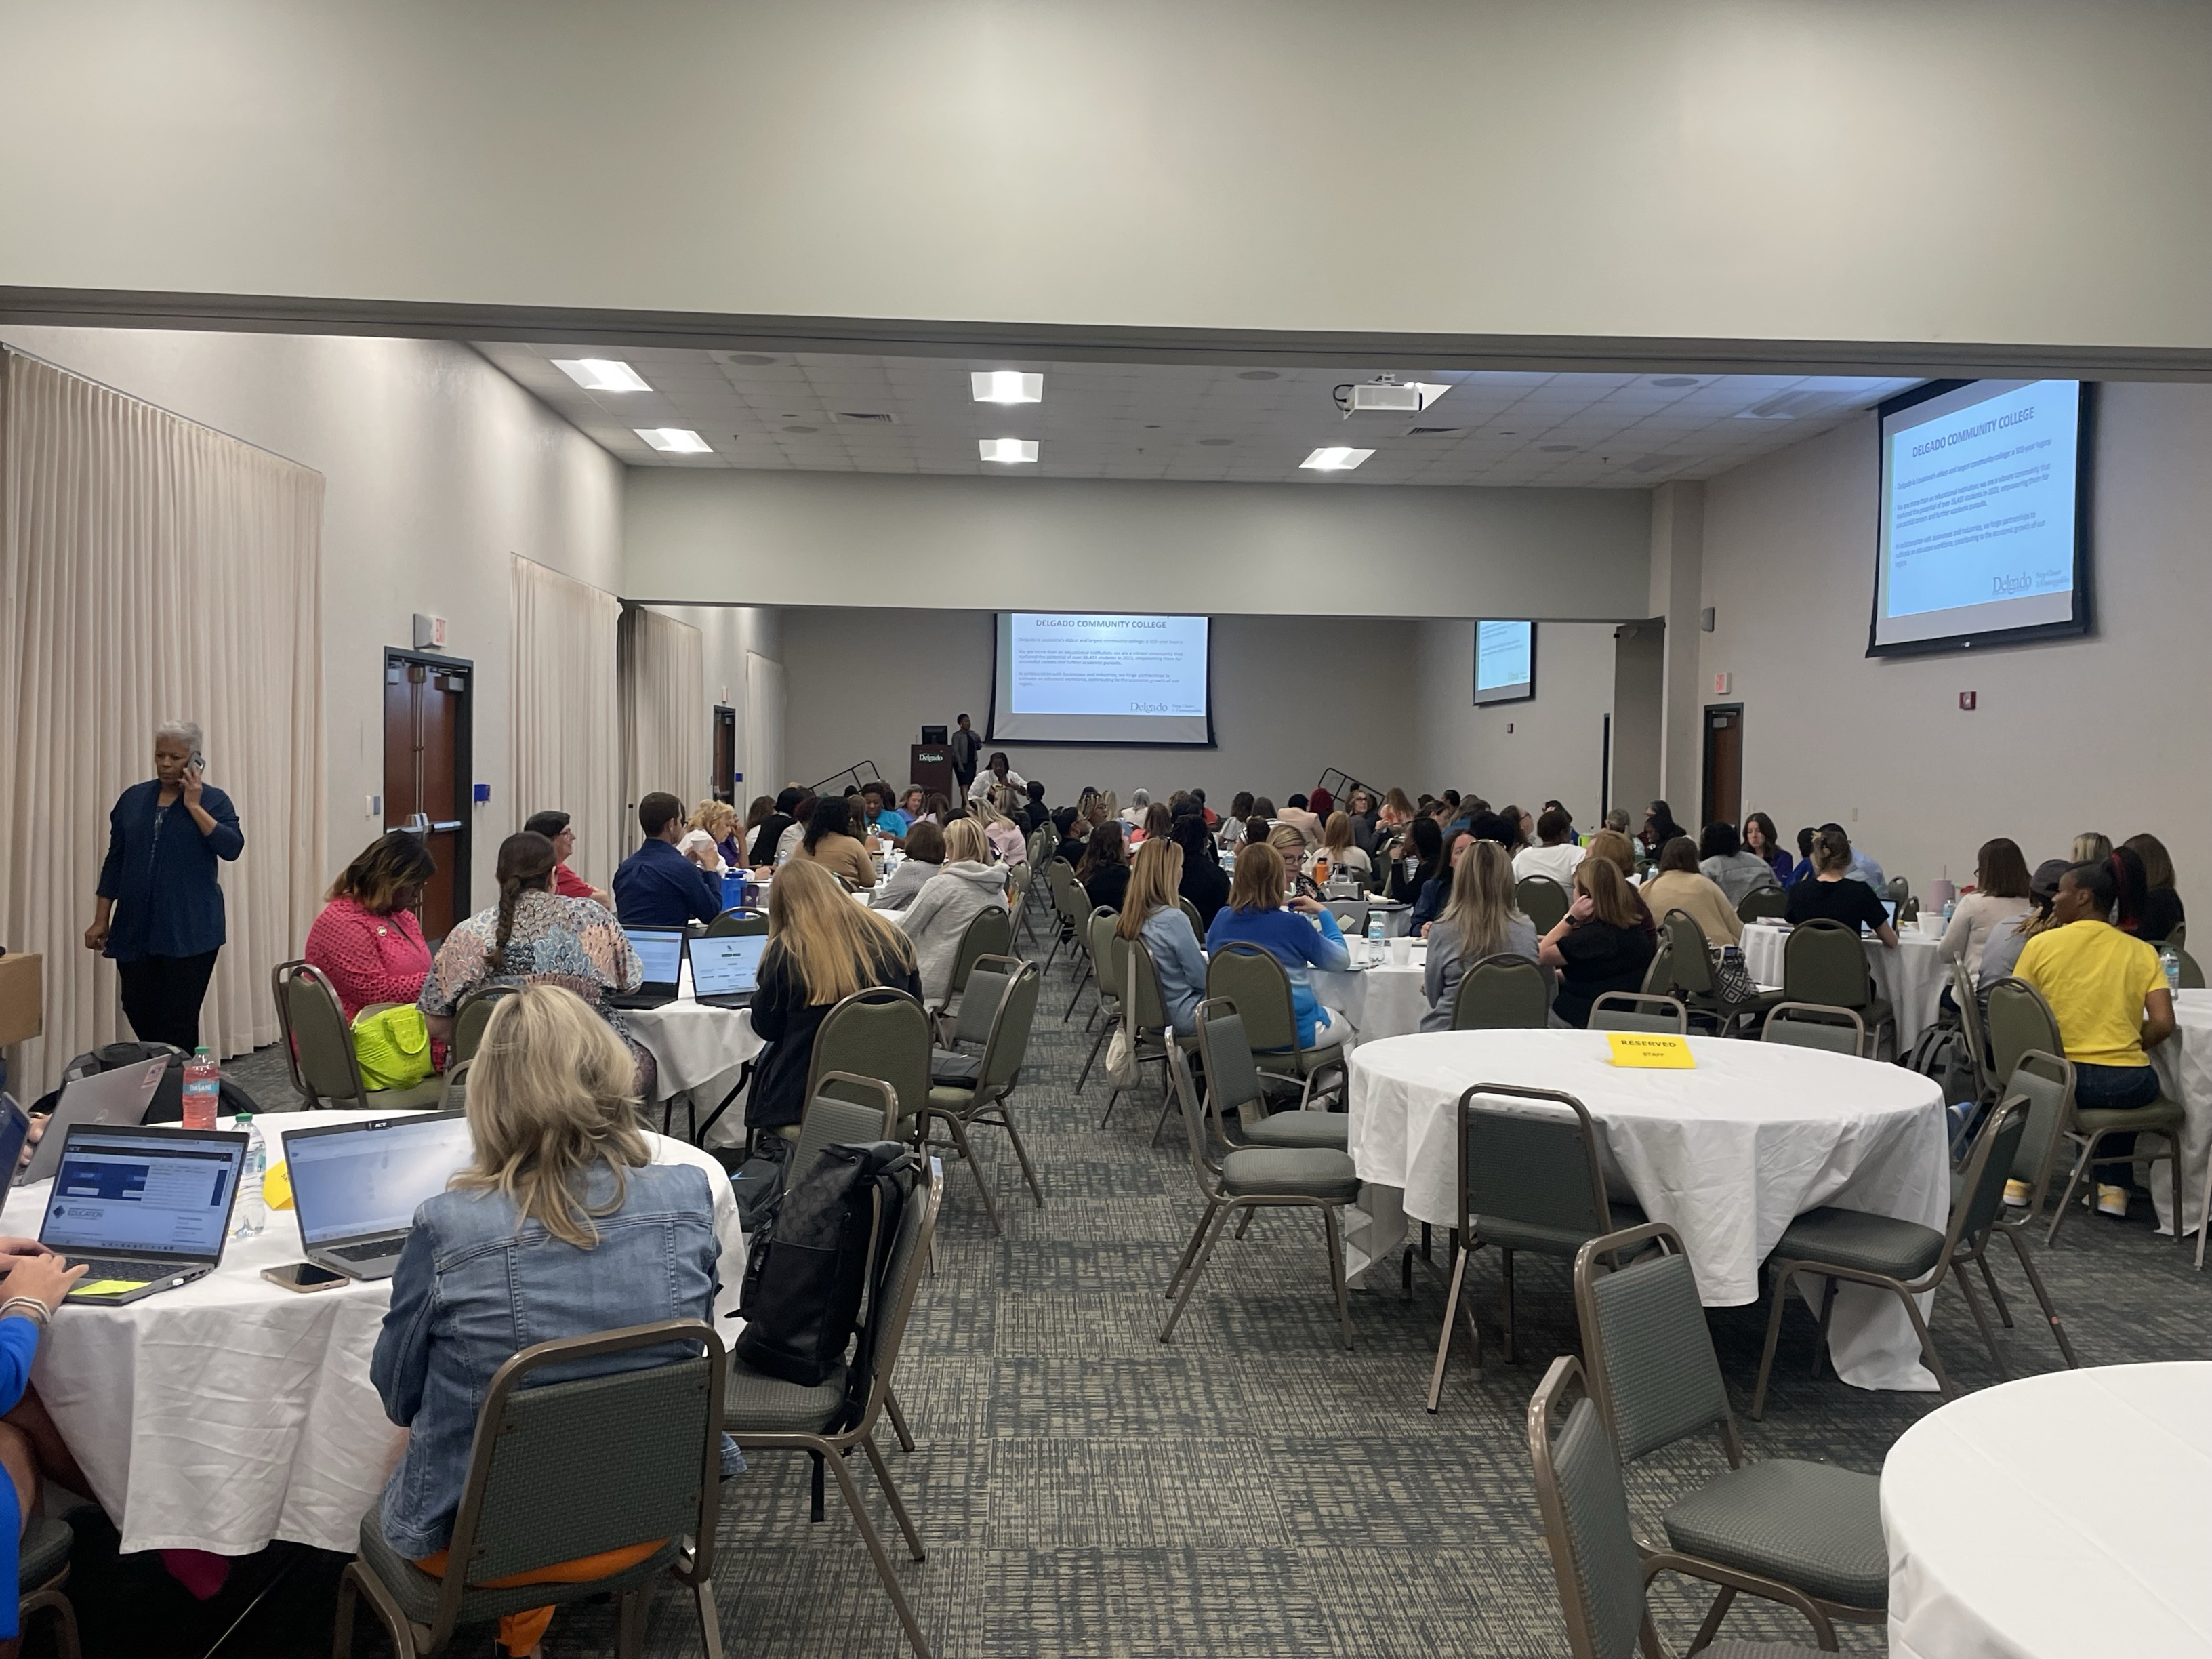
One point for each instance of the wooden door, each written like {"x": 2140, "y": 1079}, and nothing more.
{"x": 426, "y": 775}
{"x": 726, "y": 754}
{"x": 1723, "y": 791}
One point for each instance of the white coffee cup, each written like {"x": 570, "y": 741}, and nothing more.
{"x": 1401, "y": 951}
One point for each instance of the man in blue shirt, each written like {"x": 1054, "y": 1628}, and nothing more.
{"x": 657, "y": 886}
{"x": 1863, "y": 868}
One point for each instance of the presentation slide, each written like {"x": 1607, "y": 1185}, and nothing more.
{"x": 1504, "y": 661}
{"x": 1064, "y": 677}
{"x": 1981, "y": 529}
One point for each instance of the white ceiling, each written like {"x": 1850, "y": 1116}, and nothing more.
{"x": 1253, "y": 423}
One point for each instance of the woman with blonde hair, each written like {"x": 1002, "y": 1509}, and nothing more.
{"x": 1150, "y": 911}
{"x": 822, "y": 947}
{"x": 1302, "y": 936}
{"x": 1481, "y": 919}
{"x": 562, "y": 1225}
{"x": 1604, "y": 943}
{"x": 995, "y": 810}
{"x": 1614, "y": 847}
{"x": 1290, "y": 845}
{"x": 1339, "y": 846}
{"x": 965, "y": 884}
{"x": 710, "y": 837}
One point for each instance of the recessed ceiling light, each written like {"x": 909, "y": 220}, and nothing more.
{"x": 751, "y": 358}
{"x": 1011, "y": 451}
{"x": 1008, "y": 385}
{"x": 1676, "y": 380}
{"x": 1260, "y": 374}
{"x": 1335, "y": 459}
{"x": 674, "y": 439}
{"x": 601, "y": 375}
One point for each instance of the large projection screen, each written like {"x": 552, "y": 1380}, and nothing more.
{"x": 1067, "y": 677}
{"x": 1984, "y": 532}
{"x": 1504, "y": 662}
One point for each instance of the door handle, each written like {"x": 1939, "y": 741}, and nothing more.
{"x": 436, "y": 829}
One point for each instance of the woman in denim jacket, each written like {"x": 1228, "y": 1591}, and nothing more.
{"x": 562, "y": 1225}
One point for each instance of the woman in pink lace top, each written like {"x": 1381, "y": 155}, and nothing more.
{"x": 367, "y": 939}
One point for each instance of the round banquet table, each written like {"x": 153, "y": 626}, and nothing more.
{"x": 2184, "y": 1073}
{"x": 1911, "y": 978}
{"x": 228, "y": 1413}
{"x": 1383, "y": 1001}
{"x": 2008, "y": 1539}
{"x": 699, "y": 1049}
{"x": 1727, "y": 1154}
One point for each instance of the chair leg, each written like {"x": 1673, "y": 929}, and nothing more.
{"x": 875, "y": 1543}
{"x": 821, "y": 1508}
{"x": 968, "y": 1156}
{"x": 1821, "y": 1328}
{"x": 1190, "y": 1250}
{"x": 1244, "y": 1222}
{"x": 1711, "y": 1626}
{"x": 1336, "y": 1271}
{"x": 2174, "y": 1170}
{"x": 1444, "y": 1337}
{"x": 1105, "y": 1035}
{"x": 2042, "y": 1296}
{"x": 630, "y": 1622}
{"x": 2081, "y": 1168}
{"x": 1213, "y": 1226}
{"x": 1782, "y": 1277}
{"x": 1029, "y": 1170}
{"x": 1112, "y": 1095}
{"x": 1505, "y": 1300}
{"x": 891, "y": 1497}
{"x": 1981, "y": 1320}
{"x": 1927, "y": 1343}
{"x": 53, "y": 1602}
{"x": 1996, "y": 1295}
{"x": 710, "y": 1618}
{"x": 355, "y": 1578}
{"x": 898, "y": 1419}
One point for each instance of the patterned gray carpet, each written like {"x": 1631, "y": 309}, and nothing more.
{"x": 1252, "y": 1490}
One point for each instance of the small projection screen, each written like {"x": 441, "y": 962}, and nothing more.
{"x": 1504, "y": 661}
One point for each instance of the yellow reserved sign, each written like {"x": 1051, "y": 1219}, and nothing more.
{"x": 1652, "y": 1051}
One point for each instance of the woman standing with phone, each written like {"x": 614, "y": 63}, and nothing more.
{"x": 160, "y": 915}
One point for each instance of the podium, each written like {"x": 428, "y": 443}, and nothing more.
{"x": 930, "y": 768}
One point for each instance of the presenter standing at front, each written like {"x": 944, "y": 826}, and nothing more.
{"x": 163, "y": 839}
{"x": 965, "y": 746}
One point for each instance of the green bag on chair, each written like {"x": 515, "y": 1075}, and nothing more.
{"x": 392, "y": 1045}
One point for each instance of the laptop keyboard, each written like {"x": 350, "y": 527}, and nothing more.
{"x": 368, "y": 1252}
{"x": 137, "y": 1272}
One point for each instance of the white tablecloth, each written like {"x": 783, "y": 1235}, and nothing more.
{"x": 230, "y": 1412}
{"x": 1727, "y": 1154}
{"x": 2185, "y": 1074}
{"x": 1383, "y": 1001}
{"x": 2008, "y": 1540}
{"x": 1911, "y": 977}
{"x": 699, "y": 1049}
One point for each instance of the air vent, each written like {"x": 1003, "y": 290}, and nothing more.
{"x": 1434, "y": 431}
{"x": 746, "y": 359}
{"x": 857, "y": 418}
{"x": 1793, "y": 406}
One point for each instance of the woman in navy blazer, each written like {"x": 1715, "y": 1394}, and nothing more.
{"x": 160, "y": 911}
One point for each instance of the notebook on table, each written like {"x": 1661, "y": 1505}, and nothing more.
{"x": 725, "y": 969}
{"x": 355, "y": 1187}
{"x": 661, "y": 950}
{"x": 146, "y": 1210}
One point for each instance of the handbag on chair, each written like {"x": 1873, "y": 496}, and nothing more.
{"x": 392, "y": 1044}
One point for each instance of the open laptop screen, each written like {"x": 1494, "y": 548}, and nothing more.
{"x": 661, "y": 951}
{"x": 136, "y": 1193}
{"x": 726, "y": 966}
{"x": 361, "y": 1179}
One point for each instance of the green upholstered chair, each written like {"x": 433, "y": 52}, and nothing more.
{"x": 981, "y": 1102}
{"x": 42, "y": 1570}
{"x": 1110, "y": 963}
{"x": 1251, "y": 978}
{"x": 1690, "y": 974}
{"x": 1542, "y": 900}
{"x": 1637, "y": 1011}
{"x": 738, "y": 924}
{"x": 990, "y": 933}
{"x": 1502, "y": 993}
{"x": 1825, "y": 961}
{"x": 1239, "y": 1103}
{"x": 877, "y": 1033}
{"x": 1812, "y": 1026}
{"x": 1768, "y": 904}
{"x": 319, "y": 1049}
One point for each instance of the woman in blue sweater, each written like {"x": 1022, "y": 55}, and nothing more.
{"x": 36, "y": 1283}
{"x": 1255, "y": 915}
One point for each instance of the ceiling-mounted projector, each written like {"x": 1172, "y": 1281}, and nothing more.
{"x": 1387, "y": 397}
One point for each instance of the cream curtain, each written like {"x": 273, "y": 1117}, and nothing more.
{"x": 664, "y": 703}
{"x": 567, "y": 746}
{"x": 151, "y": 569}
{"x": 764, "y": 723}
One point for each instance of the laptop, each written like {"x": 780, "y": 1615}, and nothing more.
{"x": 355, "y": 1186}
{"x": 14, "y": 1130}
{"x": 1889, "y": 910}
{"x": 118, "y": 1097}
{"x": 146, "y": 1210}
{"x": 726, "y": 969}
{"x": 661, "y": 951}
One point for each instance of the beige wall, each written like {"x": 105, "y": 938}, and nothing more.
{"x": 438, "y": 467}
{"x": 727, "y": 632}
{"x": 2100, "y": 733}
{"x": 2033, "y": 172}
{"x": 1555, "y": 746}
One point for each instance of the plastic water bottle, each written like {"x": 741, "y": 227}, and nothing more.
{"x": 203, "y": 1089}
{"x": 1950, "y": 905}
{"x": 251, "y": 1213}
{"x": 2170, "y": 959}
{"x": 1374, "y": 937}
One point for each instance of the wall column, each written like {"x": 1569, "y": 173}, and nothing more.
{"x": 1678, "y": 546}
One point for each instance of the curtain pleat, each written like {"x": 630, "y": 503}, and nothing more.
{"x": 151, "y": 569}
{"x": 664, "y": 703}
{"x": 566, "y": 736}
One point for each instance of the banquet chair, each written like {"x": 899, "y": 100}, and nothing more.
{"x": 1144, "y": 1013}
{"x": 2045, "y": 1083}
{"x": 956, "y": 1062}
{"x": 1790, "y": 1531}
{"x": 866, "y": 1112}
{"x": 1899, "y": 893}
{"x": 1529, "y": 1178}
{"x": 1900, "y": 1257}
{"x": 1824, "y": 961}
{"x": 1542, "y": 900}
{"x": 981, "y": 1102}
{"x": 646, "y": 1444}
{"x": 2020, "y": 1019}
{"x": 1110, "y": 958}
{"x": 1058, "y": 877}
{"x": 1249, "y": 1178}
{"x": 989, "y": 933}
{"x": 1502, "y": 993}
{"x": 1815, "y": 1026}
{"x": 1635, "y": 1011}
{"x": 1256, "y": 983}
{"x": 828, "y": 1420}
{"x": 1604, "y": 1577}
{"x": 1659, "y": 977}
{"x": 471, "y": 1015}
{"x": 2192, "y": 977}
{"x": 877, "y": 1033}
{"x": 319, "y": 1049}
{"x": 1968, "y": 1002}
{"x": 1238, "y": 1104}
{"x": 1763, "y": 903}
{"x": 42, "y": 1569}
{"x": 736, "y": 924}
{"x": 1690, "y": 969}
{"x": 1197, "y": 922}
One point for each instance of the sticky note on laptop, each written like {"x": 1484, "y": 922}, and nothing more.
{"x": 1653, "y": 1051}
{"x": 109, "y": 1287}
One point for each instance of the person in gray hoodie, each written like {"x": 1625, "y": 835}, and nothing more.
{"x": 925, "y": 856}
{"x": 948, "y": 900}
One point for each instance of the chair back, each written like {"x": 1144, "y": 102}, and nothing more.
{"x": 470, "y": 1016}
{"x": 1584, "y": 1503}
{"x": 1502, "y": 993}
{"x": 1542, "y": 900}
{"x": 884, "y": 1319}
{"x": 878, "y": 1033}
{"x": 1110, "y": 958}
{"x": 1815, "y": 1026}
{"x": 644, "y": 1441}
{"x": 1067, "y": 892}
{"x": 990, "y": 933}
{"x": 2045, "y": 1083}
{"x": 1529, "y": 1158}
{"x": 1652, "y": 1369}
{"x": 736, "y": 924}
{"x": 1763, "y": 902}
{"x": 2020, "y": 1019}
{"x": 1690, "y": 958}
{"x": 1350, "y": 916}
{"x": 1659, "y": 977}
{"x": 1256, "y": 983}
{"x": 1634, "y": 1011}
{"x": 979, "y": 1004}
{"x": 866, "y": 1110}
{"x": 1202, "y": 1165}
{"x": 1969, "y": 1004}
{"x": 1824, "y": 961}
{"x": 1979, "y": 1199}
{"x": 1008, "y": 1044}
{"x": 317, "y": 1047}
{"x": 1197, "y": 922}
{"x": 1232, "y": 1076}
{"x": 1899, "y": 892}
{"x": 2192, "y": 977}
{"x": 1140, "y": 990}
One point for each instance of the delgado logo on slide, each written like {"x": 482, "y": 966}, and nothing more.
{"x": 2003, "y": 587}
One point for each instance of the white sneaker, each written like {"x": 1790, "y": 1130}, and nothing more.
{"x": 2111, "y": 1201}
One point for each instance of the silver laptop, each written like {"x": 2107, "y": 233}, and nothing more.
{"x": 661, "y": 953}
{"x": 146, "y": 1210}
{"x": 725, "y": 969}
{"x": 119, "y": 1096}
{"x": 355, "y": 1187}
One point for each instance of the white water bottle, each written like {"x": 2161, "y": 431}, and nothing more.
{"x": 1374, "y": 936}
{"x": 251, "y": 1213}
{"x": 2170, "y": 959}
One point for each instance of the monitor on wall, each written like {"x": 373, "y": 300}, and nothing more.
{"x": 1504, "y": 662}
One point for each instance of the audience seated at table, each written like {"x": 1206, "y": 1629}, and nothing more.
{"x": 1296, "y": 815}
{"x": 822, "y": 948}
{"x": 1291, "y": 847}
{"x": 366, "y": 939}
{"x": 2008, "y": 938}
{"x": 1863, "y": 867}
{"x": 1302, "y": 936}
{"x": 30, "y": 1445}
{"x": 1203, "y": 881}
{"x": 2157, "y": 907}
{"x": 1005, "y": 837}
{"x": 1140, "y": 801}
{"x": 1103, "y": 871}
{"x": 1339, "y": 847}
{"x": 2109, "y": 994}
{"x": 925, "y": 853}
{"x": 1555, "y": 854}
{"x": 1659, "y": 827}
{"x": 1067, "y": 824}
{"x": 1604, "y": 943}
{"x": 1998, "y": 895}
{"x": 1802, "y": 869}
{"x": 1723, "y": 861}
{"x": 1837, "y": 892}
{"x": 1361, "y": 810}
{"x": 2092, "y": 847}
{"x": 1420, "y": 859}
{"x": 999, "y": 773}
{"x": 884, "y": 816}
{"x": 829, "y": 842}
{"x": 556, "y": 827}
{"x": 1150, "y": 912}
{"x": 1231, "y": 833}
{"x": 657, "y": 886}
{"x": 1436, "y": 892}
{"x": 1157, "y": 820}
{"x": 1761, "y": 841}
{"x": 710, "y": 837}
{"x": 1480, "y": 919}
{"x": 765, "y": 852}
{"x": 965, "y": 884}
{"x": 1681, "y": 886}
{"x": 562, "y": 1225}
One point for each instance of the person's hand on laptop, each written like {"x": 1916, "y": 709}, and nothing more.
{"x": 45, "y": 1279}
{"x": 15, "y": 1247}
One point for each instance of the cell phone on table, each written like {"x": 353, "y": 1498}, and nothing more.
{"x": 302, "y": 1276}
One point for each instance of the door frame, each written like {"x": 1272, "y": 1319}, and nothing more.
{"x": 465, "y": 762}
{"x": 1706, "y": 759}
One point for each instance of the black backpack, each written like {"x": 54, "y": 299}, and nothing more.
{"x": 168, "y": 1105}
{"x": 804, "y": 1289}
